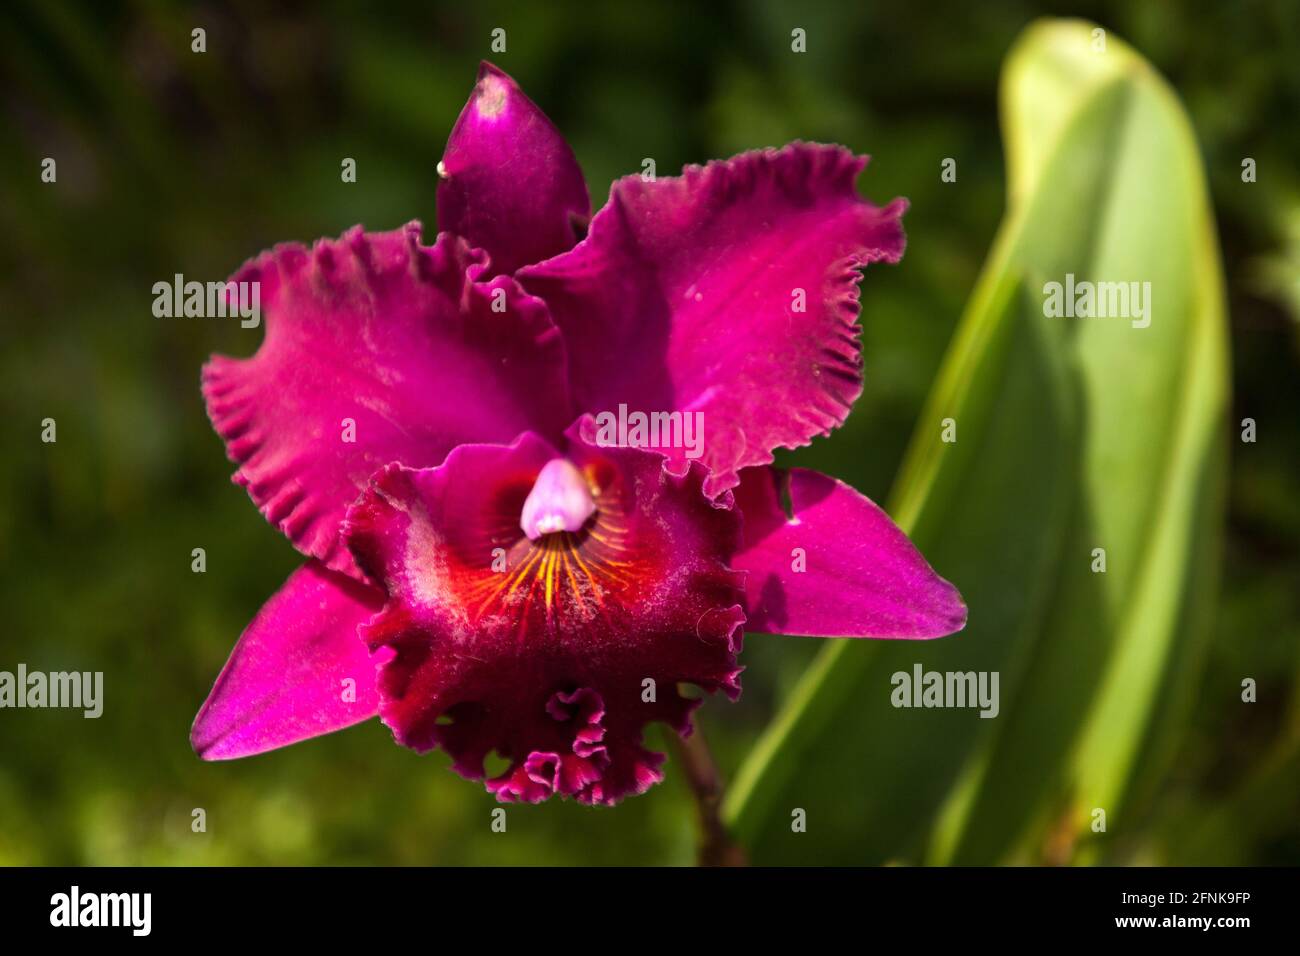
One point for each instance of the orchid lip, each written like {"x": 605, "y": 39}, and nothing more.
{"x": 561, "y": 500}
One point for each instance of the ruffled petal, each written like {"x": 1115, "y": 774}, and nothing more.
{"x": 510, "y": 184}
{"x": 837, "y": 567}
{"x": 730, "y": 291}
{"x": 298, "y": 671}
{"x": 377, "y": 349}
{"x": 553, "y": 653}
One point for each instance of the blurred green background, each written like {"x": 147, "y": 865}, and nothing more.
{"x": 170, "y": 161}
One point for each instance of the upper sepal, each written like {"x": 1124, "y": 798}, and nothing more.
{"x": 508, "y": 182}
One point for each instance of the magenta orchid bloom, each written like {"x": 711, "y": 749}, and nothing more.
{"x": 486, "y": 571}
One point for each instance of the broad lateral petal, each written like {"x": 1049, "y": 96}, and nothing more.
{"x": 729, "y": 291}
{"x": 285, "y": 680}
{"x": 509, "y": 183}
{"x": 377, "y": 349}
{"x": 838, "y": 567}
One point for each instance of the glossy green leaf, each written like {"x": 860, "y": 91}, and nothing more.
{"x": 1073, "y": 434}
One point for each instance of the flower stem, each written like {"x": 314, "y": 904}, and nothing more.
{"x": 715, "y": 846}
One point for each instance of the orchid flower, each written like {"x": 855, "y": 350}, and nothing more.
{"x": 483, "y": 572}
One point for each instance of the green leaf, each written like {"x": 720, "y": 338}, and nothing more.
{"x": 1072, "y": 434}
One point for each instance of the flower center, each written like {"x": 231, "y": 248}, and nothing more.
{"x": 560, "y": 501}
